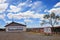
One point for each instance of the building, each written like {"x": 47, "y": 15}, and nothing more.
{"x": 53, "y": 30}
{"x": 47, "y": 30}
{"x": 39, "y": 30}
{"x": 15, "y": 27}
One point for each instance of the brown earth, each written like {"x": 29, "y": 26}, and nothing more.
{"x": 26, "y": 36}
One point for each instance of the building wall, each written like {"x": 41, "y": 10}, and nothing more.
{"x": 47, "y": 30}
{"x": 39, "y": 30}
{"x": 15, "y": 28}
{"x": 6, "y": 29}
{"x": 24, "y": 28}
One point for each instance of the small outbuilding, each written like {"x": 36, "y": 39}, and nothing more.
{"x": 52, "y": 30}
{"x": 15, "y": 27}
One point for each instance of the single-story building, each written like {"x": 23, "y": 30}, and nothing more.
{"x": 45, "y": 29}
{"x": 15, "y": 27}
{"x": 40, "y": 30}
{"x": 52, "y": 29}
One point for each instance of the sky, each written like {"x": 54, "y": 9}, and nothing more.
{"x": 30, "y": 12}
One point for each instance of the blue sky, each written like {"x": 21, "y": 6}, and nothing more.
{"x": 29, "y": 11}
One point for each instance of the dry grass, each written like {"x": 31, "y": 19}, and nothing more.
{"x": 26, "y": 36}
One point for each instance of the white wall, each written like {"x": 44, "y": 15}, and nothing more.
{"x": 24, "y": 28}
{"x": 47, "y": 30}
{"x": 16, "y": 27}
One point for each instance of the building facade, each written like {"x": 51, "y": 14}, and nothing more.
{"x": 15, "y": 27}
{"x": 39, "y": 30}
{"x": 46, "y": 30}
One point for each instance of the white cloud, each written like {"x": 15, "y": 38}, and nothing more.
{"x": 30, "y": 5}
{"x": 21, "y": 4}
{"x": 28, "y": 20}
{"x": 46, "y": 10}
{"x": 19, "y": 7}
{"x": 38, "y": 15}
{"x": 10, "y": 15}
{"x": 57, "y": 5}
{"x": 2, "y": 16}
{"x": 14, "y": 9}
{"x": 31, "y": 14}
{"x": 19, "y": 15}
{"x": 15, "y": 16}
{"x": 2, "y": 1}
{"x": 36, "y": 6}
{"x": 28, "y": 14}
{"x": 26, "y": 3}
{"x": 55, "y": 10}
{"x": 3, "y": 7}
{"x": 24, "y": 15}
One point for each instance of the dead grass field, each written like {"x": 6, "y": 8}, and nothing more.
{"x": 26, "y": 36}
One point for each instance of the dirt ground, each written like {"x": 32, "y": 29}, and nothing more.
{"x": 26, "y": 36}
